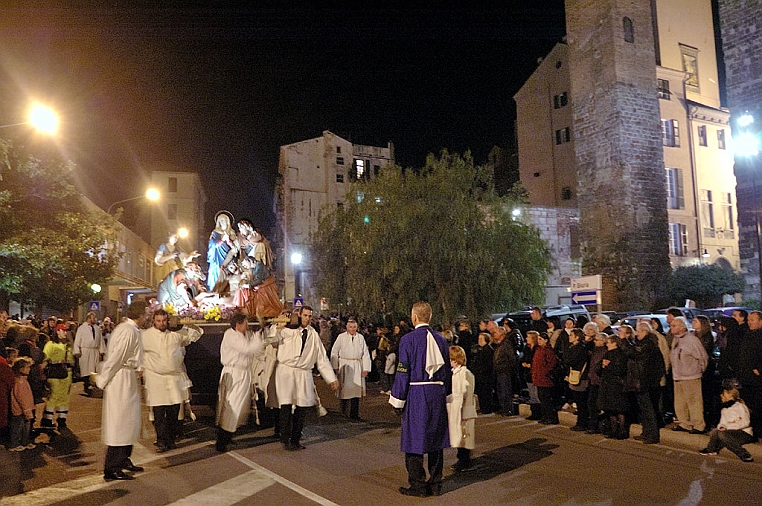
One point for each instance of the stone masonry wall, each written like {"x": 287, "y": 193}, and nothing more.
{"x": 622, "y": 193}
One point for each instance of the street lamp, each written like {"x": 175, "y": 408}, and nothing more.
{"x": 42, "y": 118}
{"x": 182, "y": 232}
{"x": 151, "y": 194}
{"x": 296, "y": 261}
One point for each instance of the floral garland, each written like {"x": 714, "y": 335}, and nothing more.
{"x": 209, "y": 314}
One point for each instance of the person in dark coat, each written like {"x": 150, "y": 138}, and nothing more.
{"x": 644, "y": 350}
{"x": 543, "y": 364}
{"x": 612, "y": 398}
{"x": 576, "y": 358}
{"x": 483, "y": 368}
{"x": 526, "y": 364}
{"x": 750, "y": 370}
{"x": 465, "y": 339}
{"x": 419, "y": 394}
{"x": 596, "y": 357}
{"x": 505, "y": 366}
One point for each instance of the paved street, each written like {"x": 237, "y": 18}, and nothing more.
{"x": 518, "y": 462}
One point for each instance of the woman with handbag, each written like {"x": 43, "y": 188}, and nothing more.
{"x": 576, "y": 360}
{"x": 59, "y": 361}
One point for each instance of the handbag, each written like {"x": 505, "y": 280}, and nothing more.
{"x": 574, "y": 376}
{"x": 56, "y": 371}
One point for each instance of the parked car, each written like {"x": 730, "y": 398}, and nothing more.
{"x": 716, "y": 312}
{"x": 523, "y": 318}
{"x": 632, "y": 321}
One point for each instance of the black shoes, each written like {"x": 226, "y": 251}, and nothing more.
{"x": 414, "y": 492}
{"x": 747, "y": 458}
{"x": 579, "y": 428}
{"x": 678, "y": 428}
{"x": 696, "y": 431}
{"x": 294, "y": 447}
{"x": 117, "y": 475}
{"x": 132, "y": 467}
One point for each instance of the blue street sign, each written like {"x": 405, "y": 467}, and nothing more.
{"x": 94, "y": 306}
{"x": 589, "y": 297}
{"x": 298, "y": 302}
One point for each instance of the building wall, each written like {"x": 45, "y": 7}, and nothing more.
{"x": 622, "y": 198}
{"x": 741, "y": 29}
{"x": 314, "y": 176}
{"x": 182, "y": 204}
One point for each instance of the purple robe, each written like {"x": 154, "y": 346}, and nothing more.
{"x": 424, "y": 419}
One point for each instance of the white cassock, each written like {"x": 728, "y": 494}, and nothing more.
{"x": 351, "y": 358}
{"x": 237, "y": 353}
{"x": 166, "y": 381}
{"x": 461, "y": 409}
{"x": 263, "y": 375}
{"x": 90, "y": 345}
{"x": 121, "y": 388}
{"x": 293, "y": 374}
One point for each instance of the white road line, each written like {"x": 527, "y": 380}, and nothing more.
{"x": 283, "y": 481}
{"x": 228, "y": 492}
{"x": 56, "y": 493}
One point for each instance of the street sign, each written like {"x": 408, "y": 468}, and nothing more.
{"x": 586, "y": 283}
{"x": 324, "y": 304}
{"x": 586, "y": 297}
{"x": 94, "y": 306}
{"x": 298, "y": 302}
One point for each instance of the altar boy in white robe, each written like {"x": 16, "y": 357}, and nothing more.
{"x": 299, "y": 350}
{"x": 351, "y": 363}
{"x": 237, "y": 352}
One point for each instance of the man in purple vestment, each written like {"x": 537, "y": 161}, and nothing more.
{"x": 421, "y": 387}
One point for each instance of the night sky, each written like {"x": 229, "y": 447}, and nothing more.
{"x": 217, "y": 90}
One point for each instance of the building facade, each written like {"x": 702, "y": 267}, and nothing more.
{"x": 741, "y": 31}
{"x": 182, "y": 205}
{"x": 313, "y": 176}
{"x": 589, "y": 143}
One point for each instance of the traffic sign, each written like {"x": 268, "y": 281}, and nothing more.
{"x": 586, "y": 297}
{"x": 586, "y": 283}
{"x": 298, "y": 302}
{"x": 94, "y": 306}
{"x": 324, "y": 304}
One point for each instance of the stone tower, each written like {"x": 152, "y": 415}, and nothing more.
{"x": 741, "y": 30}
{"x": 616, "y": 124}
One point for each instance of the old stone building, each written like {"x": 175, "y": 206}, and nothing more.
{"x": 741, "y": 33}
{"x": 620, "y": 123}
{"x": 313, "y": 175}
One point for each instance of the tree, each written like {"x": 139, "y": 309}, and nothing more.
{"x": 52, "y": 249}
{"x": 439, "y": 234}
{"x": 705, "y": 284}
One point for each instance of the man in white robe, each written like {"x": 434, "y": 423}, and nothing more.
{"x": 299, "y": 350}
{"x": 351, "y": 363}
{"x": 89, "y": 348}
{"x": 121, "y": 394}
{"x": 237, "y": 352}
{"x": 166, "y": 382}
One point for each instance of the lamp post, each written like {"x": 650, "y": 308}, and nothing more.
{"x": 296, "y": 261}
{"x": 151, "y": 194}
{"x": 42, "y": 118}
{"x": 746, "y": 146}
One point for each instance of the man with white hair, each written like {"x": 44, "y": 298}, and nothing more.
{"x": 689, "y": 360}
{"x": 604, "y": 324}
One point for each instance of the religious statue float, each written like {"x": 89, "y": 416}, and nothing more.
{"x": 240, "y": 275}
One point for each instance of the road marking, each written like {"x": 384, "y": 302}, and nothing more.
{"x": 228, "y": 492}
{"x": 56, "y": 493}
{"x": 283, "y": 481}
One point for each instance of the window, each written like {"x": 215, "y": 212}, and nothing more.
{"x": 702, "y": 135}
{"x": 707, "y": 213}
{"x": 670, "y": 133}
{"x": 728, "y": 220}
{"x": 675, "y": 196}
{"x": 339, "y": 178}
{"x": 172, "y": 185}
{"x": 563, "y": 136}
{"x": 339, "y": 160}
{"x": 678, "y": 239}
{"x": 690, "y": 66}
{"x": 566, "y": 193}
{"x": 338, "y": 149}
{"x": 721, "y": 138}
{"x": 172, "y": 211}
{"x": 663, "y": 89}
{"x": 629, "y": 35}
{"x": 561, "y": 100}
{"x": 359, "y": 169}
{"x": 376, "y": 170}
{"x": 339, "y": 204}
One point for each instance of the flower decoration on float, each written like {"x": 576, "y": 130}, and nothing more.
{"x": 170, "y": 309}
{"x": 213, "y": 313}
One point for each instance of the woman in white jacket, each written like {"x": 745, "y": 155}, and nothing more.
{"x": 461, "y": 409}
{"x": 734, "y": 429}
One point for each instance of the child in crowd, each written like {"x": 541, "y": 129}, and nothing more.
{"x": 734, "y": 429}
{"x": 461, "y": 409}
{"x": 22, "y": 406}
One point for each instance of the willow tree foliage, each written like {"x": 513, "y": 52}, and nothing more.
{"x": 439, "y": 234}
{"x": 52, "y": 248}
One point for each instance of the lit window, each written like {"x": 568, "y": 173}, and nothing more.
{"x": 359, "y": 169}
{"x": 689, "y": 56}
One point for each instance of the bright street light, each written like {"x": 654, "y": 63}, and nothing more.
{"x": 746, "y": 144}
{"x": 42, "y": 118}
{"x": 151, "y": 194}
{"x": 182, "y": 232}
{"x": 296, "y": 258}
